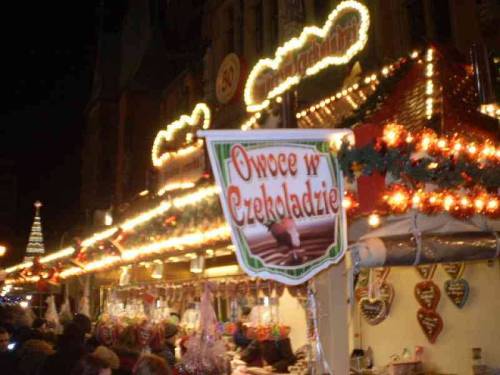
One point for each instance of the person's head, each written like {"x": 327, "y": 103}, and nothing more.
{"x": 33, "y": 346}
{"x": 4, "y": 340}
{"x": 171, "y": 331}
{"x": 127, "y": 339}
{"x": 83, "y": 322}
{"x": 245, "y": 311}
{"x": 150, "y": 364}
{"x": 71, "y": 337}
{"x": 40, "y": 324}
{"x": 108, "y": 356}
{"x": 92, "y": 365}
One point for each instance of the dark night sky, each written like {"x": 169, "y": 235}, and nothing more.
{"x": 47, "y": 64}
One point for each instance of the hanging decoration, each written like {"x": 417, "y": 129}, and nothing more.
{"x": 205, "y": 349}
{"x": 425, "y": 157}
{"x": 431, "y": 323}
{"x": 457, "y": 289}
{"x": 427, "y": 294}
{"x": 376, "y": 298}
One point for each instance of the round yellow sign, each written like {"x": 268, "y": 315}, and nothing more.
{"x": 228, "y": 78}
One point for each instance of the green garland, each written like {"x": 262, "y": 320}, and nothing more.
{"x": 449, "y": 172}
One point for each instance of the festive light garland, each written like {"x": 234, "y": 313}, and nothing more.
{"x": 423, "y": 157}
{"x": 429, "y": 84}
{"x": 200, "y": 112}
{"x": 179, "y": 203}
{"x": 193, "y": 239}
{"x": 296, "y": 44}
{"x": 371, "y": 79}
{"x": 398, "y": 199}
{"x": 492, "y": 110}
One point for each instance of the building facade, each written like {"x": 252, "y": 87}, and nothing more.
{"x": 157, "y": 59}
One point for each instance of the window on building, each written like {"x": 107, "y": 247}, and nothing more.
{"x": 229, "y": 34}
{"x": 259, "y": 26}
{"x": 274, "y": 25}
{"x": 321, "y": 10}
{"x": 416, "y": 18}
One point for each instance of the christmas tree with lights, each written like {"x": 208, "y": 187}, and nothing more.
{"x": 35, "y": 243}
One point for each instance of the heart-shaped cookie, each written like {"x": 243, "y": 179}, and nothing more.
{"x": 314, "y": 50}
{"x": 199, "y": 119}
{"x": 427, "y": 294}
{"x": 426, "y": 271}
{"x": 386, "y": 293}
{"x": 373, "y": 310}
{"x": 458, "y": 291}
{"x": 453, "y": 269}
{"x": 431, "y": 323}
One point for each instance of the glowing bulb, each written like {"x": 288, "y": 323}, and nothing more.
{"x": 347, "y": 203}
{"x": 24, "y": 304}
{"x": 442, "y": 144}
{"x": 426, "y": 142}
{"x": 29, "y": 297}
{"x": 414, "y": 54}
{"x": 374, "y": 220}
{"x": 472, "y": 149}
{"x": 279, "y": 99}
{"x": 465, "y": 202}
{"x": 392, "y": 133}
{"x": 448, "y": 202}
{"x": 492, "y": 204}
{"x": 479, "y": 204}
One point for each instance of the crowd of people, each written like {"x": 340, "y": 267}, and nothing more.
{"x": 31, "y": 347}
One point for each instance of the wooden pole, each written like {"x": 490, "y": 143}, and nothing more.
{"x": 331, "y": 289}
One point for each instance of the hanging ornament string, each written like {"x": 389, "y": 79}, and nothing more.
{"x": 314, "y": 320}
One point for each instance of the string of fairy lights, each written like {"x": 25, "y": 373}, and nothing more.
{"x": 295, "y": 44}
{"x": 461, "y": 202}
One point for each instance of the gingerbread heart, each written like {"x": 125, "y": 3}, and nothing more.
{"x": 453, "y": 269}
{"x": 373, "y": 310}
{"x": 427, "y": 294}
{"x": 458, "y": 291}
{"x": 431, "y": 323}
{"x": 426, "y": 270}
{"x": 386, "y": 293}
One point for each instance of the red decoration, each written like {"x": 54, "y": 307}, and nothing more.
{"x": 427, "y": 294}
{"x": 431, "y": 323}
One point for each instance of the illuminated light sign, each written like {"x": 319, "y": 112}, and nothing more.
{"x": 344, "y": 34}
{"x": 199, "y": 118}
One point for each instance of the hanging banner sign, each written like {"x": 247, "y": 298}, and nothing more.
{"x": 281, "y": 192}
{"x": 343, "y": 35}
